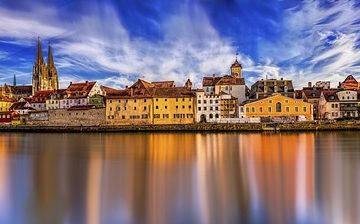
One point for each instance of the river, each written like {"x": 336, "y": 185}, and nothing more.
{"x": 180, "y": 178}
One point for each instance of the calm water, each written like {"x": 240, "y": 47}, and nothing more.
{"x": 180, "y": 178}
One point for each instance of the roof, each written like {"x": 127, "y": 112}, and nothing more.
{"x": 109, "y": 90}
{"x": 163, "y": 84}
{"x": 350, "y": 79}
{"x": 236, "y": 64}
{"x": 78, "y": 89}
{"x": 6, "y": 99}
{"x": 210, "y": 81}
{"x": 230, "y": 80}
{"x": 23, "y": 89}
{"x": 20, "y": 106}
{"x": 172, "y": 92}
{"x": 330, "y": 95}
{"x": 312, "y": 92}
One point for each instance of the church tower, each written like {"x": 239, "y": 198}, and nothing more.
{"x": 52, "y": 72}
{"x": 236, "y": 69}
{"x": 44, "y": 77}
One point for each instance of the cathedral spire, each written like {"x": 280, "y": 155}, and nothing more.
{"x": 39, "y": 57}
{"x": 50, "y": 57}
{"x": 14, "y": 82}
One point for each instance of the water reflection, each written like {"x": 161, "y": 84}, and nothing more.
{"x": 180, "y": 178}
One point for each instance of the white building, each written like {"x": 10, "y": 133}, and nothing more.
{"x": 208, "y": 107}
{"x": 336, "y": 103}
{"x": 233, "y": 84}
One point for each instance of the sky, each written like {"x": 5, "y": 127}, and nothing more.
{"x": 117, "y": 42}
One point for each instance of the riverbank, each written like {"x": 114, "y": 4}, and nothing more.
{"x": 259, "y": 127}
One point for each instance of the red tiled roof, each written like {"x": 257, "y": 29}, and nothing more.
{"x": 78, "y": 89}
{"x": 210, "y": 81}
{"x": 164, "y": 84}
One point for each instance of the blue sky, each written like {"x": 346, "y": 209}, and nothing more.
{"x": 119, "y": 41}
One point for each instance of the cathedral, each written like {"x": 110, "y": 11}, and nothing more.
{"x": 44, "y": 76}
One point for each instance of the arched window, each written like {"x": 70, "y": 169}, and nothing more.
{"x": 211, "y": 116}
{"x": 216, "y": 115}
{"x": 278, "y": 107}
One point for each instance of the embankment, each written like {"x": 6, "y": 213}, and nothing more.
{"x": 262, "y": 127}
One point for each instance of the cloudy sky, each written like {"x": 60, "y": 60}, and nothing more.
{"x": 119, "y": 41}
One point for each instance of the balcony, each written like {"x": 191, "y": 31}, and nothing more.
{"x": 348, "y": 107}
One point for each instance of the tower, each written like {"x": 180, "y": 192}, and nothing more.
{"x": 14, "y": 82}
{"x": 236, "y": 69}
{"x": 52, "y": 72}
{"x": 44, "y": 77}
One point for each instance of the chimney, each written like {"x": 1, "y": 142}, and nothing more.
{"x": 309, "y": 84}
{"x": 70, "y": 83}
{"x": 86, "y": 82}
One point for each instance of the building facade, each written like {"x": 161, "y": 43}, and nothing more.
{"x": 267, "y": 87}
{"x": 233, "y": 84}
{"x": 149, "y": 103}
{"x": 44, "y": 76}
{"x": 277, "y": 106}
{"x": 336, "y": 104}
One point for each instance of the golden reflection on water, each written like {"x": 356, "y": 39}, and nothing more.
{"x": 180, "y": 178}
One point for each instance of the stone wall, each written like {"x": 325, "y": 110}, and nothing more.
{"x": 79, "y": 117}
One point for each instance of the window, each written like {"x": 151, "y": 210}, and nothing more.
{"x": 278, "y": 107}
{"x": 110, "y": 108}
{"x": 183, "y": 107}
{"x": 270, "y": 101}
{"x": 211, "y": 108}
{"x": 156, "y": 115}
{"x": 183, "y": 99}
{"x": 156, "y": 99}
{"x": 144, "y": 116}
{"x": 199, "y": 108}
{"x": 165, "y": 100}
{"x": 204, "y": 108}
{"x": 189, "y": 106}
{"x": 165, "y": 115}
{"x": 110, "y": 101}
{"x": 336, "y": 105}
{"x": 247, "y": 110}
{"x": 199, "y": 101}
{"x": 204, "y": 101}
{"x": 177, "y": 107}
{"x": 296, "y": 109}
{"x": 211, "y": 101}
{"x": 176, "y": 99}
{"x": 134, "y": 108}
{"x": 134, "y": 101}
{"x": 165, "y": 107}
{"x": 287, "y": 109}
{"x": 156, "y": 107}
{"x": 145, "y": 100}
{"x": 190, "y": 99}
{"x": 216, "y": 115}
{"x": 211, "y": 116}
{"x": 304, "y": 109}
{"x": 253, "y": 109}
{"x": 269, "y": 109}
{"x": 145, "y": 108}
{"x": 260, "y": 109}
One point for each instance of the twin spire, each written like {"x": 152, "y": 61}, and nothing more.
{"x": 44, "y": 75}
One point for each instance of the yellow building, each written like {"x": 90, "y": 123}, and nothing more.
{"x": 5, "y": 103}
{"x": 174, "y": 105}
{"x": 228, "y": 106}
{"x": 127, "y": 110}
{"x": 277, "y": 106}
{"x": 151, "y": 103}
